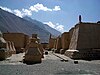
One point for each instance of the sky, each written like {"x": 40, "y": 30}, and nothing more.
{"x": 59, "y": 14}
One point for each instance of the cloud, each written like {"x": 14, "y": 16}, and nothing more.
{"x": 28, "y": 12}
{"x": 50, "y": 24}
{"x": 18, "y": 13}
{"x": 57, "y": 8}
{"x": 38, "y": 7}
{"x": 33, "y": 9}
{"x": 6, "y": 9}
{"x": 56, "y": 26}
{"x": 60, "y": 28}
{"x": 23, "y": 12}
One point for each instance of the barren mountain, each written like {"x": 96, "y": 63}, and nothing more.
{"x": 12, "y": 23}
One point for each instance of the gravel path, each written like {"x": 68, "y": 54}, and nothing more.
{"x": 51, "y": 65}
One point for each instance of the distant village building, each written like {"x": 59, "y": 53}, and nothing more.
{"x": 45, "y": 45}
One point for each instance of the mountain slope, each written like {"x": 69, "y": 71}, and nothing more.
{"x": 11, "y": 23}
{"x": 43, "y": 26}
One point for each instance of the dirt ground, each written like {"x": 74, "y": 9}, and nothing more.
{"x": 52, "y": 64}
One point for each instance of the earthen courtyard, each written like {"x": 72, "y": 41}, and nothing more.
{"x": 51, "y": 65}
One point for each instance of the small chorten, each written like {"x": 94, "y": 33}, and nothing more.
{"x": 33, "y": 53}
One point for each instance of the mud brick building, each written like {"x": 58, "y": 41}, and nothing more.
{"x": 86, "y": 40}
{"x": 19, "y": 39}
{"x": 58, "y": 45}
{"x": 85, "y": 36}
{"x": 52, "y": 42}
{"x": 65, "y": 40}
